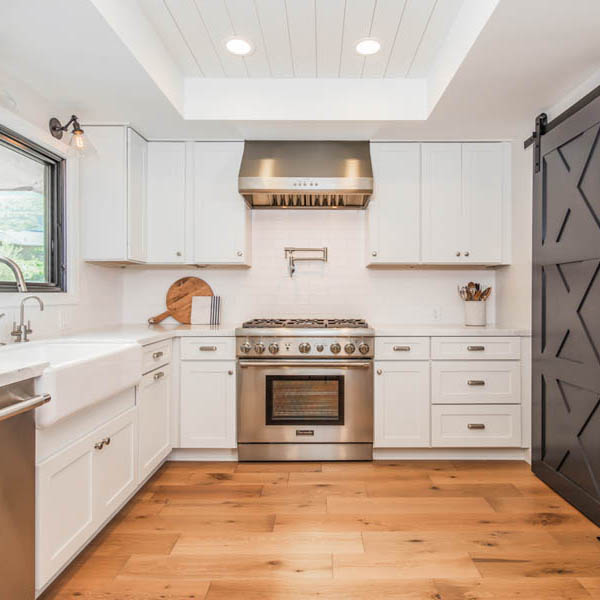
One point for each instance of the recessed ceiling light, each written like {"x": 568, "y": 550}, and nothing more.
{"x": 368, "y": 46}
{"x": 238, "y": 46}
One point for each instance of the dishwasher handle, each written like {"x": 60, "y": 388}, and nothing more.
{"x": 23, "y": 406}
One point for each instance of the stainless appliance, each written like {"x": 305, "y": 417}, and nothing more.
{"x": 306, "y": 174}
{"x": 305, "y": 389}
{"x": 17, "y": 490}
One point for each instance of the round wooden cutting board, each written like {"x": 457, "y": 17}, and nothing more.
{"x": 179, "y": 299}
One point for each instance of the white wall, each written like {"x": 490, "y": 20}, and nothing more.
{"x": 94, "y": 293}
{"x": 342, "y": 287}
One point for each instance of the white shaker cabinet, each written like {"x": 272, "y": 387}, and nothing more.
{"x": 394, "y": 234}
{"x": 167, "y": 210}
{"x": 442, "y": 223}
{"x": 208, "y": 407}
{"x": 402, "y": 405}
{"x": 486, "y": 210}
{"x": 154, "y": 418}
{"x": 112, "y": 188}
{"x": 222, "y": 218}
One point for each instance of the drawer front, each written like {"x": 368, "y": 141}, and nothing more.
{"x": 476, "y": 382}
{"x": 401, "y": 348}
{"x": 463, "y": 426}
{"x": 208, "y": 348}
{"x": 476, "y": 348}
{"x": 156, "y": 355}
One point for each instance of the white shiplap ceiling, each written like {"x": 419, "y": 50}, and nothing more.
{"x": 302, "y": 38}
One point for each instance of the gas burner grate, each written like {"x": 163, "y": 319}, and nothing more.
{"x": 307, "y": 323}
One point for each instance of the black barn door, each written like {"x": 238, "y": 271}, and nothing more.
{"x": 566, "y": 308}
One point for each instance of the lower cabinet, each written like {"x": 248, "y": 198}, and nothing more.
{"x": 208, "y": 407}
{"x": 154, "y": 419}
{"x": 79, "y": 487}
{"x": 401, "y": 404}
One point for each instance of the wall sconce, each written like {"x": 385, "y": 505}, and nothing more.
{"x": 78, "y": 140}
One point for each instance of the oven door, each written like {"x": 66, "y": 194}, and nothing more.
{"x": 305, "y": 401}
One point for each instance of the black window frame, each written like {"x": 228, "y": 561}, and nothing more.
{"x": 55, "y": 186}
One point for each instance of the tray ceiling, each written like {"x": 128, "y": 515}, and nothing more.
{"x": 303, "y": 38}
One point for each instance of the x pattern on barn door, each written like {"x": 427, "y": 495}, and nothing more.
{"x": 567, "y": 349}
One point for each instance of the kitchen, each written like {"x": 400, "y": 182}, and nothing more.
{"x": 349, "y": 354}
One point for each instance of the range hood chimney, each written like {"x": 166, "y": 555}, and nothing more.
{"x": 306, "y": 175}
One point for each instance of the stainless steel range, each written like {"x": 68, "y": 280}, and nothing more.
{"x": 305, "y": 389}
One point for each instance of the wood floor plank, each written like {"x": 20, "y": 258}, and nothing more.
{"x": 591, "y": 584}
{"x": 278, "y": 467}
{"x": 335, "y": 589}
{"x": 270, "y": 543}
{"x": 531, "y": 504}
{"x": 421, "y": 489}
{"x": 445, "y": 506}
{"x": 219, "y": 566}
{"x": 251, "y": 506}
{"x": 111, "y": 543}
{"x": 237, "y": 478}
{"x": 521, "y": 588}
{"x": 192, "y": 493}
{"x": 365, "y": 476}
{"x": 316, "y": 490}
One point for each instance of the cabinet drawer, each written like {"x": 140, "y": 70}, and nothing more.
{"x": 208, "y": 348}
{"x": 475, "y": 348}
{"x": 401, "y": 348}
{"x": 156, "y": 355}
{"x": 491, "y": 425}
{"x": 476, "y": 382}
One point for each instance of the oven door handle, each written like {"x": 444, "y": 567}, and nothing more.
{"x": 305, "y": 363}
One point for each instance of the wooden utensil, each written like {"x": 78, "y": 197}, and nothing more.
{"x": 486, "y": 294}
{"x": 179, "y": 299}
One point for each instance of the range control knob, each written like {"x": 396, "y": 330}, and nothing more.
{"x": 349, "y": 348}
{"x": 363, "y": 348}
{"x": 245, "y": 347}
{"x": 335, "y": 348}
{"x": 273, "y": 348}
{"x": 320, "y": 348}
{"x": 259, "y": 348}
{"x": 304, "y": 347}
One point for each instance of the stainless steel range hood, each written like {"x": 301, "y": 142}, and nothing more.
{"x": 306, "y": 175}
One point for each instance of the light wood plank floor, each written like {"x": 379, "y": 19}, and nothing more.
{"x": 418, "y": 530}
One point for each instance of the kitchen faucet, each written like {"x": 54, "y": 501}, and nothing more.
{"x": 14, "y": 267}
{"x": 22, "y": 331}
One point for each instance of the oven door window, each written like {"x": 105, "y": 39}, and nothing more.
{"x": 305, "y": 400}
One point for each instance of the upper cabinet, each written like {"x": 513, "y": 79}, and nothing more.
{"x": 222, "y": 231}
{"x": 458, "y": 212}
{"x": 395, "y": 206}
{"x": 162, "y": 202}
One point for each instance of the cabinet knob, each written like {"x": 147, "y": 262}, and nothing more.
{"x": 240, "y": 253}
{"x": 379, "y": 371}
{"x": 178, "y": 253}
{"x": 458, "y": 254}
{"x": 230, "y": 372}
{"x": 374, "y": 253}
{"x": 467, "y": 253}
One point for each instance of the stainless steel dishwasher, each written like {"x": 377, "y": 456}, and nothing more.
{"x": 17, "y": 489}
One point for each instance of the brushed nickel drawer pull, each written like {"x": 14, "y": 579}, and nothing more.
{"x": 99, "y": 445}
{"x": 379, "y": 371}
{"x": 475, "y": 348}
{"x": 476, "y": 426}
{"x": 305, "y": 432}
{"x": 156, "y": 355}
{"x": 158, "y": 375}
{"x": 207, "y": 348}
{"x": 401, "y": 348}
{"x": 106, "y": 441}
{"x": 475, "y": 382}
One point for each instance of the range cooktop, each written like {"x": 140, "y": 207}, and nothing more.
{"x": 306, "y": 324}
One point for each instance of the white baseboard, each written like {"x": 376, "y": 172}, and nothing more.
{"x": 452, "y": 454}
{"x": 204, "y": 454}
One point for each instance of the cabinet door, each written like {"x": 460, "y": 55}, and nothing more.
{"x": 114, "y": 464}
{"x": 154, "y": 418}
{"x": 166, "y": 202}
{"x": 402, "y": 404}
{"x": 483, "y": 187}
{"x": 442, "y": 204}
{"x": 64, "y": 507}
{"x": 394, "y": 210}
{"x": 222, "y": 217}
{"x": 137, "y": 164}
{"x": 208, "y": 414}
{"x": 103, "y": 193}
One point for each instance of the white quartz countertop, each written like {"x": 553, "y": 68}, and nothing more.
{"x": 395, "y": 329}
{"x": 18, "y": 368}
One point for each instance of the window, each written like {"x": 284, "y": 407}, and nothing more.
{"x": 31, "y": 214}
